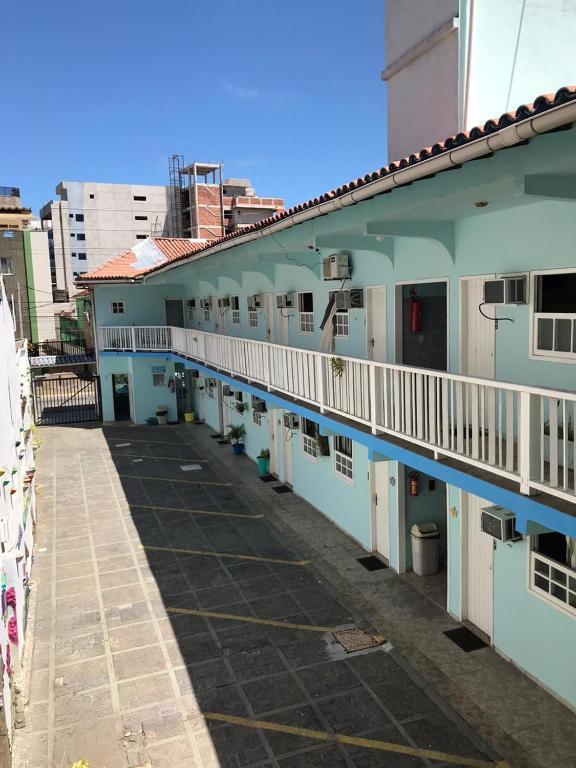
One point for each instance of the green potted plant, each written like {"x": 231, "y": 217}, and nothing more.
{"x": 236, "y": 435}
{"x": 263, "y": 461}
{"x": 241, "y": 407}
{"x": 337, "y": 366}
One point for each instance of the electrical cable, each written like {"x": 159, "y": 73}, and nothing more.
{"x": 495, "y": 320}
{"x": 293, "y": 260}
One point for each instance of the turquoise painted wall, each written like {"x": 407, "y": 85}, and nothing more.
{"x": 539, "y": 637}
{"x": 347, "y": 504}
{"x": 205, "y": 407}
{"x": 145, "y": 397}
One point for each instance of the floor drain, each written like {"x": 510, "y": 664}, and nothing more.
{"x": 357, "y": 639}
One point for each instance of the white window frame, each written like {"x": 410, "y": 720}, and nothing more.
{"x": 309, "y": 443}
{"x": 341, "y": 320}
{"x": 207, "y": 314}
{"x": 343, "y": 464}
{"x": 253, "y": 318}
{"x": 211, "y": 392}
{"x": 305, "y": 319}
{"x": 543, "y": 569}
{"x": 190, "y": 310}
{"x": 548, "y": 354}
{"x": 114, "y": 306}
{"x": 235, "y": 309}
{"x": 257, "y": 417}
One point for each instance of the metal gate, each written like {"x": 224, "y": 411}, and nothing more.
{"x": 66, "y": 399}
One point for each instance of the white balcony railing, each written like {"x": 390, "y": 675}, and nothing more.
{"x": 522, "y": 433}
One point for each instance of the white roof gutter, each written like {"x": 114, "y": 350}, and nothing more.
{"x": 502, "y": 139}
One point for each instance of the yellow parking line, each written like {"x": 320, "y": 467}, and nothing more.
{"x": 198, "y": 511}
{"x": 250, "y": 620}
{"x": 173, "y": 480}
{"x": 356, "y": 741}
{"x": 230, "y": 555}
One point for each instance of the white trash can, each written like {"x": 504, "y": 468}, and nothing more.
{"x": 425, "y": 548}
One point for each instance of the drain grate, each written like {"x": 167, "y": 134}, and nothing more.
{"x": 372, "y": 563}
{"x": 355, "y": 639}
{"x": 282, "y": 489}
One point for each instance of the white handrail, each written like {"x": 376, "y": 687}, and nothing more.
{"x": 519, "y": 432}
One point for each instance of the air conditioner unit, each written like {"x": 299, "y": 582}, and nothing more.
{"x": 194, "y": 373}
{"x": 291, "y": 421}
{"x": 506, "y": 290}
{"x": 285, "y": 301}
{"x": 223, "y": 302}
{"x": 250, "y": 301}
{"x": 258, "y": 405}
{"x": 191, "y": 303}
{"x": 342, "y": 300}
{"x": 206, "y": 303}
{"x": 226, "y": 391}
{"x": 499, "y": 523}
{"x": 336, "y": 266}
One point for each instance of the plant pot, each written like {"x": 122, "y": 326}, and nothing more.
{"x": 238, "y": 448}
{"x": 161, "y": 418}
{"x": 189, "y": 416}
{"x": 263, "y": 466}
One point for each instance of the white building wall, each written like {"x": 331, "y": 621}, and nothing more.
{"x": 42, "y": 286}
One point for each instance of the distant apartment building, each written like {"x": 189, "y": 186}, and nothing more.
{"x": 92, "y": 223}
{"x": 459, "y": 61}
{"x": 25, "y": 268}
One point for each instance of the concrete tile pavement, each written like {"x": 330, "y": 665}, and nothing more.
{"x": 118, "y": 679}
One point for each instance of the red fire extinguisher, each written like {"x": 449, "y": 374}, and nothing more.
{"x": 413, "y": 484}
{"x": 415, "y": 312}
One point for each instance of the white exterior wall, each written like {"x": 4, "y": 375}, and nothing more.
{"x": 515, "y": 50}
{"x": 42, "y": 286}
{"x": 109, "y": 225}
{"x": 422, "y": 59}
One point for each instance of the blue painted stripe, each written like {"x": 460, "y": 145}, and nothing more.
{"x": 526, "y": 508}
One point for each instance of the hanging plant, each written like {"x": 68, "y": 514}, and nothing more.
{"x": 241, "y": 407}
{"x": 337, "y": 366}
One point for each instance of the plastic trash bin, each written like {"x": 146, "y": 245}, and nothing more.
{"x": 425, "y": 548}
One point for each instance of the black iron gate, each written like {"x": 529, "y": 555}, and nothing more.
{"x": 66, "y": 399}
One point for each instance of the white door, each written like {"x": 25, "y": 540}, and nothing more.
{"x": 477, "y": 566}
{"x": 268, "y": 317}
{"x": 376, "y": 324}
{"x": 476, "y": 332}
{"x": 289, "y": 438}
{"x": 274, "y": 431}
{"x": 220, "y": 317}
{"x": 380, "y": 509}
{"x": 282, "y": 320}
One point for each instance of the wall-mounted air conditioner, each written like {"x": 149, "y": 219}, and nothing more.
{"x": 255, "y": 301}
{"x": 191, "y": 303}
{"x": 291, "y": 421}
{"x": 258, "y": 405}
{"x": 285, "y": 301}
{"x": 206, "y": 303}
{"x": 336, "y": 266}
{"x": 194, "y": 373}
{"x": 226, "y": 391}
{"x": 499, "y": 523}
{"x": 506, "y": 290}
{"x": 223, "y": 302}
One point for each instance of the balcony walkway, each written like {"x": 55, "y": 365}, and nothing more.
{"x": 119, "y": 679}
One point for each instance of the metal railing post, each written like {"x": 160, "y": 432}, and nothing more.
{"x": 528, "y": 440}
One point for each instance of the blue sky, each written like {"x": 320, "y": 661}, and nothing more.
{"x": 287, "y": 94}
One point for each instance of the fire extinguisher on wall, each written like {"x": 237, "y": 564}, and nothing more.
{"x": 415, "y": 312}
{"x": 413, "y": 484}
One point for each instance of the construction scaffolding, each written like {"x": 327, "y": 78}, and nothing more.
{"x": 176, "y": 165}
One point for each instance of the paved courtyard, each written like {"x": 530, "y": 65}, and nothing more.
{"x": 185, "y": 617}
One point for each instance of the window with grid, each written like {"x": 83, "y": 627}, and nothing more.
{"x": 343, "y": 457}
{"x": 190, "y": 308}
{"x": 340, "y": 320}
{"x": 6, "y": 265}
{"x": 306, "y": 312}
{"x": 206, "y": 311}
{"x": 257, "y": 417}
{"x": 211, "y": 391}
{"x": 253, "y": 318}
{"x": 553, "y": 569}
{"x": 554, "y": 333}
{"x": 235, "y": 309}
{"x": 309, "y": 444}
{"x": 118, "y": 308}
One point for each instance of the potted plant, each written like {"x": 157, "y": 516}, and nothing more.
{"x": 161, "y": 414}
{"x": 236, "y": 435}
{"x": 263, "y": 461}
{"x": 241, "y": 407}
{"x": 337, "y": 366}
